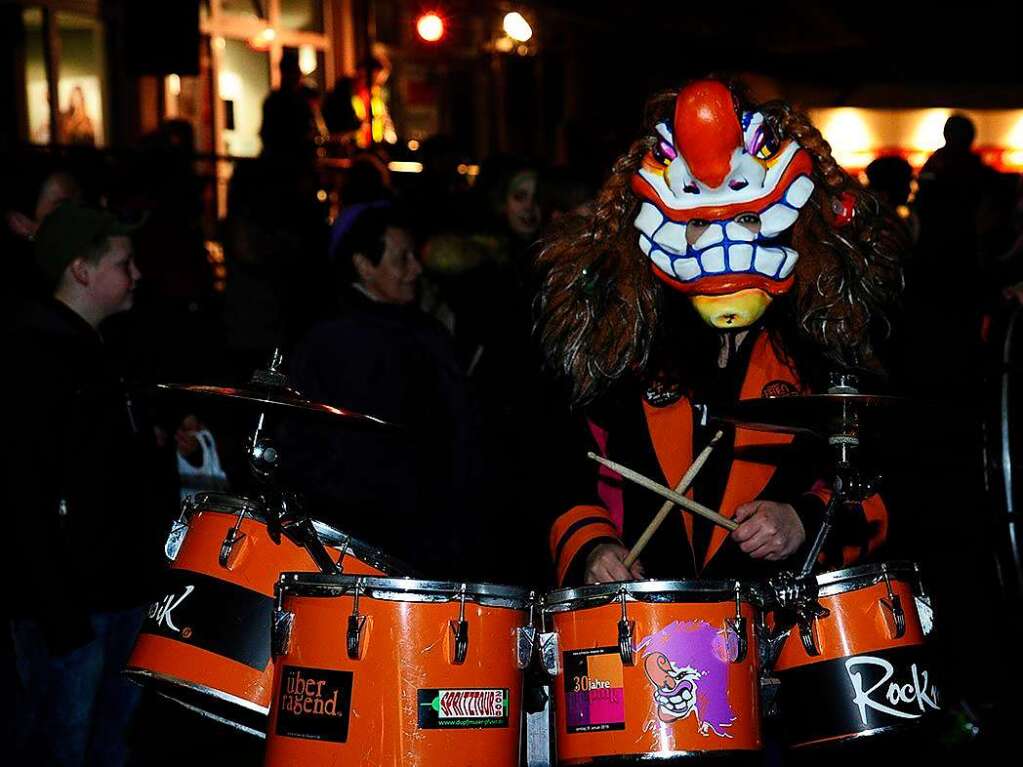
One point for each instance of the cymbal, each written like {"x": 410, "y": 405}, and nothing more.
{"x": 822, "y": 415}
{"x": 274, "y": 397}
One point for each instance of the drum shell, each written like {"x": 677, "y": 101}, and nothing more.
{"x": 406, "y": 649}
{"x": 645, "y": 735}
{"x": 818, "y": 693}
{"x": 207, "y": 679}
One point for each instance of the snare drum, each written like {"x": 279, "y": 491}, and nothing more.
{"x": 654, "y": 670}
{"x": 861, "y": 669}
{"x": 206, "y": 643}
{"x": 396, "y": 672}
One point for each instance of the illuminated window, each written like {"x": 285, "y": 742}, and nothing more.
{"x": 244, "y": 83}
{"x": 302, "y": 15}
{"x": 80, "y": 81}
{"x": 37, "y": 95}
{"x": 246, "y": 9}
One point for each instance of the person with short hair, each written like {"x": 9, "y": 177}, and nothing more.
{"x": 89, "y": 498}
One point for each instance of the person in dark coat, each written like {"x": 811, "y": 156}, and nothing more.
{"x": 88, "y": 499}
{"x": 408, "y": 490}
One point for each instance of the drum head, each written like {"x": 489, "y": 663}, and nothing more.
{"x": 864, "y": 576}
{"x": 402, "y": 589}
{"x": 644, "y": 591}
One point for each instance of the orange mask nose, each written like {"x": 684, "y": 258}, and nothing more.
{"x": 707, "y": 130}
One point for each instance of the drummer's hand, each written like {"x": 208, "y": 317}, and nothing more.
{"x": 606, "y": 563}
{"x": 768, "y": 530}
{"x": 187, "y": 441}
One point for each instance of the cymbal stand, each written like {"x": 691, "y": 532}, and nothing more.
{"x": 283, "y": 508}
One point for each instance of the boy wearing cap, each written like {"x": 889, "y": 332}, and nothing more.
{"x": 88, "y": 496}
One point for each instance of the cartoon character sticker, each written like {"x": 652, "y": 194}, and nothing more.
{"x": 687, "y": 664}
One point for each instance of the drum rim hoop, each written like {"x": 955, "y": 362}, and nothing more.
{"x": 563, "y": 600}
{"x": 402, "y": 589}
{"x": 329, "y": 535}
{"x": 864, "y": 576}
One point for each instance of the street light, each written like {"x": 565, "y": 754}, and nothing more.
{"x": 516, "y": 27}
{"x": 430, "y": 27}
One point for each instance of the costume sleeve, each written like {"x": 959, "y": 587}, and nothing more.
{"x": 859, "y": 529}
{"x": 574, "y": 534}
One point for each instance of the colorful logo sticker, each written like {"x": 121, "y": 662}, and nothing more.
{"x": 314, "y": 703}
{"x": 594, "y": 690}
{"x": 687, "y": 664}
{"x": 463, "y": 709}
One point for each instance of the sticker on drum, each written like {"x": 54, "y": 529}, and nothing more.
{"x": 314, "y": 703}
{"x": 462, "y": 709}
{"x": 594, "y": 690}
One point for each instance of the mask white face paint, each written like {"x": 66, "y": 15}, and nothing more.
{"x": 721, "y": 192}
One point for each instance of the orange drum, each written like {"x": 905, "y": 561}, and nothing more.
{"x": 206, "y": 644}
{"x": 395, "y": 672}
{"x": 862, "y": 668}
{"x": 654, "y": 670}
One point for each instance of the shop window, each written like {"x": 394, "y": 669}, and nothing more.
{"x": 244, "y": 83}
{"x": 246, "y": 9}
{"x": 37, "y": 94}
{"x": 80, "y": 81}
{"x": 302, "y": 15}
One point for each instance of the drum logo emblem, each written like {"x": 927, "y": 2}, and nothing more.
{"x": 687, "y": 664}
{"x": 920, "y": 693}
{"x": 162, "y": 611}
{"x": 314, "y": 703}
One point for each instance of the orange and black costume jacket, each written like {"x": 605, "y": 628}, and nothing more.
{"x": 659, "y": 443}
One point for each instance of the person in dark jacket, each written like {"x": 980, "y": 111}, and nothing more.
{"x": 88, "y": 501}
{"x": 407, "y": 491}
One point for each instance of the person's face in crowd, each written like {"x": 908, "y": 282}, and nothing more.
{"x": 395, "y": 278}
{"x": 110, "y": 283}
{"x": 521, "y": 206}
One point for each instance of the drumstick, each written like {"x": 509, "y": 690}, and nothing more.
{"x": 683, "y": 485}
{"x": 664, "y": 492}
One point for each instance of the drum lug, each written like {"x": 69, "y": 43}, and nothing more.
{"x": 549, "y": 654}
{"x": 460, "y": 631}
{"x": 525, "y": 646}
{"x": 179, "y": 528}
{"x": 283, "y": 622}
{"x": 739, "y": 627}
{"x": 356, "y": 623}
{"x": 233, "y": 538}
{"x": 806, "y": 634}
{"x": 625, "y": 631}
{"x": 893, "y": 605}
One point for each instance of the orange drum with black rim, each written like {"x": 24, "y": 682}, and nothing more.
{"x": 395, "y": 672}
{"x": 654, "y": 670}
{"x": 206, "y": 643}
{"x": 862, "y": 669}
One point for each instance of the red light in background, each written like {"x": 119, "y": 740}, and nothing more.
{"x": 430, "y": 27}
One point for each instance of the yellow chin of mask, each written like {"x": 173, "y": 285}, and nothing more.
{"x": 734, "y": 310}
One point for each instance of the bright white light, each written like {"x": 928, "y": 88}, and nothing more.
{"x": 174, "y": 85}
{"x": 929, "y": 133}
{"x": 306, "y": 59}
{"x": 430, "y": 27}
{"x": 847, "y": 131}
{"x": 516, "y": 27}
{"x": 1015, "y": 140}
{"x": 399, "y": 166}
{"x": 230, "y": 85}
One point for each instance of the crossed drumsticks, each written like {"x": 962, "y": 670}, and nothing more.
{"x": 673, "y": 496}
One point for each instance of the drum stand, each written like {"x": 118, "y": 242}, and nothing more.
{"x": 796, "y": 593}
{"x": 283, "y": 508}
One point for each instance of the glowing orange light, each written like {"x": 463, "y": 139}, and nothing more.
{"x": 430, "y": 27}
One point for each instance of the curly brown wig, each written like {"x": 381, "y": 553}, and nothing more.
{"x": 603, "y": 313}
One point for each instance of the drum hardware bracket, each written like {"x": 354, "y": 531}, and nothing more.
{"x": 807, "y": 637}
{"x": 525, "y": 638}
{"x": 460, "y": 631}
{"x": 625, "y": 631}
{"x": 284, "y": 620}
{"x": 893, "y": 604}
{"x": 549, "y": 653}
{"x": 739, "y": 627}
{"x": 233, "y": 538}
{"x": 356, "y": 623}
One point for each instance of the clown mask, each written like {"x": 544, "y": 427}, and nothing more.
{"x": 720, "y": 191}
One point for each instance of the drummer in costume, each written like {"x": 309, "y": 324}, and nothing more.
{"x": 729, "y": 257}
